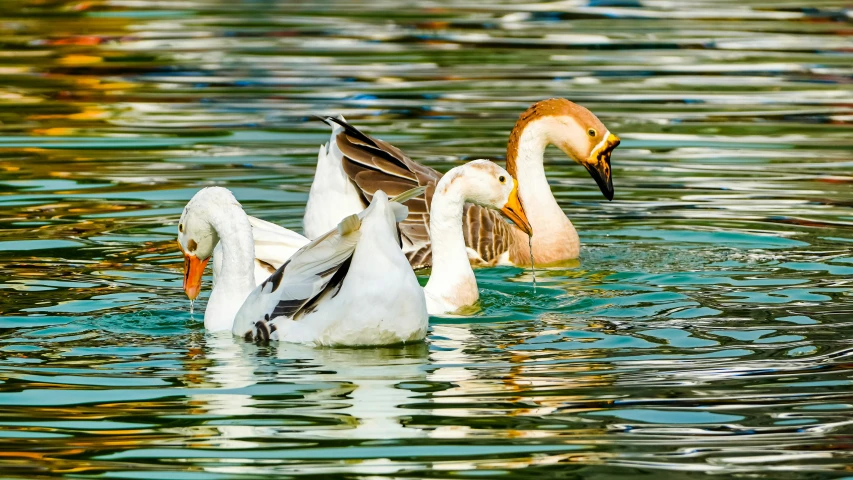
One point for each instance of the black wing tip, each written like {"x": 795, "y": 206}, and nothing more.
{"x": 350, "y": 129}
{"x": 329, "y": 120}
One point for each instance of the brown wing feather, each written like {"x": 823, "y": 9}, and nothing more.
{"x": 374, "y": 164}
{"x": 486, "y": 232}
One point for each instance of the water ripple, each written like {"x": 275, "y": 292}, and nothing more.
{"x": 705, "y": 329}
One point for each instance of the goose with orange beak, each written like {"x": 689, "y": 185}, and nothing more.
{"x": 353, "y": 284}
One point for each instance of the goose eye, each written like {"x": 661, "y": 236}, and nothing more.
{"x": 502, "y": 179}
{"x": 591, "y": 132}
{"x": 181, "y": 228}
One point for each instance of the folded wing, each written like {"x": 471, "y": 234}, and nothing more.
{"x": 294, "y": 288}
{"x": 274, "y": 245}
{"x": 374, "y": 164}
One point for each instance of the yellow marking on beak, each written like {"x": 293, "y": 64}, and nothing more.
{"x": 598, "y": 164}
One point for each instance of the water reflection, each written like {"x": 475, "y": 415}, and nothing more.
{"x": 358, "y": 393}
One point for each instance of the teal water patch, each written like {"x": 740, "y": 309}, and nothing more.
{"x": 95, "y": 304}
{"x": 785, "y": 296}
{"x": 679, "y": 338}
{"x": 349, "y": 453}
{"x": 39, "y": 245}
{"x": 808, "y": 350}
{"x": 829, "y": 406}
{"x": 32, "y": 321}
{"x": 49, "y": 185}
{"x": 695, "y": 313}
{"x": 46, "y": 397}
{"x": 82, "y": 425}
{"x": 575, "y": 340}
{"x": 29, "y": 435}
{"x": 796, "y": 421}
{"x": 780, "y": 339}
{"x": 819, "y": 267}
{"x": 93, "y": 380}
{"x": 679, "y": 417}
{"x": 721, "y": 238}
{"x": 798, "y": 319}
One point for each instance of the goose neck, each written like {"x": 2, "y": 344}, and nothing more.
{"x": 238, "y": 249}
{"x": 451, "y": 277}
{"x": 526, "y": 156}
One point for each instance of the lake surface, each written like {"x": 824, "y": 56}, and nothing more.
{"x": 706, "y": 331}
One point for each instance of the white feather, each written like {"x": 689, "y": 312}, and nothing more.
{"x": 332, "y": 195}
{"x": 273, "y": 245}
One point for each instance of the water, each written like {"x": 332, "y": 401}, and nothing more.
{"x": 706, "y": 329}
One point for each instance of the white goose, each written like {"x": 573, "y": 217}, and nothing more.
{"x": 452, "y": 285}
{"x": 351, "y": 286}
{"x": 213, "y": 216}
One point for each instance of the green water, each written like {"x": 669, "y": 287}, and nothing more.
{"x": 707, "y": 330}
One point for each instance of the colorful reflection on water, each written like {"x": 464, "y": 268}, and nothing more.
{"x": 705, "y": 330}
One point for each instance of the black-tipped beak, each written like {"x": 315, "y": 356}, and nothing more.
{"x": 604, "y": 181}
{"x": 598, "y": 165}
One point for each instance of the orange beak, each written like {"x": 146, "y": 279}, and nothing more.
{"x": 515, "y": 212}
{"x": 193, "y": 270}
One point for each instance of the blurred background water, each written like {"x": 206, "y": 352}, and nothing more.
{"x": 706, "y": 330}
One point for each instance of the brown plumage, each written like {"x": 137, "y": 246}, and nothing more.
{"x": 373, "y": 164}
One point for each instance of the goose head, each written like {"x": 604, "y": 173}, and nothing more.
{"x": 571, "y": 128}
{"x": 486, "y": 184}
{"x": 196, "y": 236}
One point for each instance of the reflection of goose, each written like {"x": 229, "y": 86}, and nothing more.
{"x": 356, "y": 394}
{"x": 353, "y": 166}
{"x": 377, "y": 402}
{"x": 231, "y": 367}
{"x": 452, "y": 362}
{"x": 447, "y": 361}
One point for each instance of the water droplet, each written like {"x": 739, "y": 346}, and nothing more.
{"x": 191, "y": 306}
{"x": 532, "y": 262}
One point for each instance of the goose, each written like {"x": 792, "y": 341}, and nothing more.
{"x": 352, "y": 165}
{"x": 273, "y": 244}
{"x": 214, "y": 218}
{"x": 352, "y": 286}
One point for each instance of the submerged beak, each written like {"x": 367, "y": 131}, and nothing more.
{"x": 193, "y": 270}
{"x": 515, "y": 212}
{"x": 598, "y": 164}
